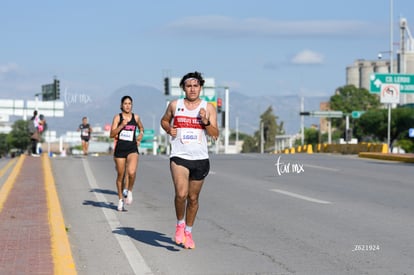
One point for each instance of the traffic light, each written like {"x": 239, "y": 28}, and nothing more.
{"x": 166, "y": 86}
{"x": 265, "y": 132}
{"x": 348, "y": 134}
{"x": 219, "y": 105}
{"x": 56, "y": 89}
{"x": 223, "y": 119}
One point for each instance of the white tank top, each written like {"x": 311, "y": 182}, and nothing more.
{"x": 191, "y": 140}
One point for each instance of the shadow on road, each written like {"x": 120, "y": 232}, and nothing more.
{"x": 149, "y": 237}
{"x": 100, "y": 204}
{"x": 104, "y": 191}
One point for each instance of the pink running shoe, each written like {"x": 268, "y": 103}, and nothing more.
{"x": 179, "y": 233}
{"x": 188, "y": 242}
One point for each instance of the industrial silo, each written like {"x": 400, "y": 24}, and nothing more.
{"x": 366, "y": 70}
{"x": 352, "y": 75}
{"x": 382, "y": 67}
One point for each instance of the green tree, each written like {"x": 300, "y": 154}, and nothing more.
{"x": 250, "y": 145}
{"x": 3, "y": 144}
{"x": 270, "y": 130}
{"x": 348, "y": 99}
{"x": 373, "y": 126}
{"x": 242, "y": 136}
{"x": 19, "y": 137}
{"x": 311, "y": 136}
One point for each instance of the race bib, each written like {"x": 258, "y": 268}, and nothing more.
{"x": 126, "y": 135}
{"x": 190, "y": 136}
{"x": 85, "y": 133}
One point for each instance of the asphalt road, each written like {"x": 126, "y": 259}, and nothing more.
{"x": 259, "y": 214}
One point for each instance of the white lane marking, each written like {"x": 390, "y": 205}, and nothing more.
{"x": 294, "y": 195}
{"x": 135, "y": 259}
{"x": 323, "y": 168}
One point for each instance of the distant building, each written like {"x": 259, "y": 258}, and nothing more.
{"x": 359, "y": 73}
{"x": 5, "y": 125}
{"x": 323, "y": 121}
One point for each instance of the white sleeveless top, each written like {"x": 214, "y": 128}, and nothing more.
{"x": 191, "y": 140}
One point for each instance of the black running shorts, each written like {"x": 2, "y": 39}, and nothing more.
{"x": 198, "y": 168}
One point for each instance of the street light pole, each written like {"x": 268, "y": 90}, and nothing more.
{"x": 302, "y": 121}
{"x": 391, "y": 37}
{"x": 391, "y": 71}
{"x": 36, "y": 101}
{"x": 226, "y": 120}
{"x": 261, "y": 138}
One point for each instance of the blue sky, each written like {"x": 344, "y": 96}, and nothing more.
{"x": 262, "y": 47}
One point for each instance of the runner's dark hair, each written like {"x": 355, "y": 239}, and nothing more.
{"x": 125, "y": 97}
{"x": 195, "y": 75}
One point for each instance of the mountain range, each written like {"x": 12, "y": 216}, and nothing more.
{"x": 150, "y": 104}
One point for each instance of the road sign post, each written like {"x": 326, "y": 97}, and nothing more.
{"x": 328, "y": 114}
{"x": 325, "y": 114}
{"x": 406, "y": 82}
{"x": 148, "y": 139}
{"x": 357, "y": 114}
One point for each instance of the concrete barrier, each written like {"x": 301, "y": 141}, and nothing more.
{"x": 388, "y": 156}
{"x": 355, "y": 149}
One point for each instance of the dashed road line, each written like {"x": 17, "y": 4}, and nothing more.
{"x": 298, "y": 196}
{"x": 322, "y": 168}
{"x": 134, "y": 257}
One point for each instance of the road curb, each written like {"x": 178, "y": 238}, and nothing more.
{"x": 388, "y": 156}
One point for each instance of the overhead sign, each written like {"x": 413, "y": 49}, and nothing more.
{"x": 147, "y": 139}
{"x": 4, "y": 118}
{"x": 48, "y": 92}
{"x": 322, "y": 114}
{"x": 406, "y": 82}
{"x": 357, "y": 114}
{"x": 208, "y": 92}
{"x": 326, "y": 114}
{"x": 12, "y": 107}
{"x": 390, "y": 93}
{"x": 47, "y": 108}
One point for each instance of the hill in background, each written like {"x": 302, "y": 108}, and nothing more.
{"x": 150, "y": 104}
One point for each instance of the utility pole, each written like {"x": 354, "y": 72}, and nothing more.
{"x": 226, "y": 120}
{"x": 302, "y": 121}
{"x": 391, "y": 71}
{"x": 261, "y": 138}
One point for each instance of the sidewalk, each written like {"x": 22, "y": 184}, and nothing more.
{"x": 33, "y": 238}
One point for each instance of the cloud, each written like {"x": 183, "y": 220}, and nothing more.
{"x": 307, "y": 57}
{"x": 8, "y": 68}
{"x": 224, "y": 26}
